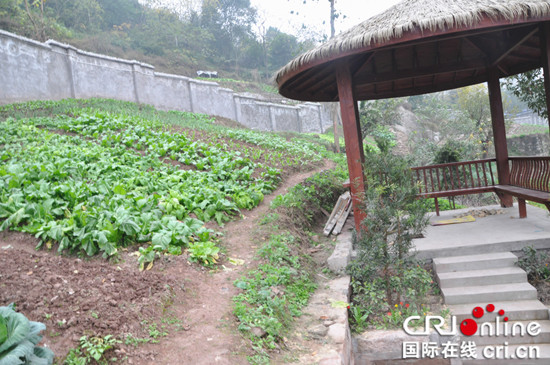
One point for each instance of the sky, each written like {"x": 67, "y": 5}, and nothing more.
{"x": 313, "y": 13}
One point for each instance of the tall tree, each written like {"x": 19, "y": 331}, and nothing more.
{"x": 78, "y": 14}
{"x": 230, "y": 22}
{"x": 474, "y": 104}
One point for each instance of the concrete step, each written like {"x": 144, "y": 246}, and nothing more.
{"x": 474, "y": 262}
{"x": 489, "y": 293}
{"x": 500, "y": 275}
{"x": 517, "y": 333}
{"x": 543, "y": 355}
{"x": 517, "y": 310}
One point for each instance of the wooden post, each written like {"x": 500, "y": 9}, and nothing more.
{"x": 499, "y": 133}
{"x": 353, "y": 138}
{"x": 545, "y": 50}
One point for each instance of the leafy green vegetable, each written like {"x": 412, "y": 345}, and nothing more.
{"x": 3, "y": 330}
{"x": 18, "y": 340}
{"x": 93, "y": 182}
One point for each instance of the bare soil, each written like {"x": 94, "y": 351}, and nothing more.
{"x": 184, "y": 307}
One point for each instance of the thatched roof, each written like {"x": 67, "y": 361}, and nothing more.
{"x": 418, "y": 16}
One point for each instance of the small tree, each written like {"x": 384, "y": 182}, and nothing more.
{"x": 394, "y": 218}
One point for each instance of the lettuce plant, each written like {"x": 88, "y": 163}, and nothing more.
{"x": 18, "y": 340}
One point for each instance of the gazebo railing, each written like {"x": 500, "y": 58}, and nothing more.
{"x": 529, "y": 180}
{"x": 530, "y": 172}
{"x": 456, "y": 178}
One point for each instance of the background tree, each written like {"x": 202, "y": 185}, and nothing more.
{"x": 529, "y": 88}
{"x": 176, "y": 36}
{"x": 85, "y": 15}
{"x": 373, "y": 113}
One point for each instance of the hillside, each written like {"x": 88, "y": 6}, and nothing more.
{"x": 218, "y": 36}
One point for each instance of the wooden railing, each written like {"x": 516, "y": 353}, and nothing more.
{"x": 457, "y": 178}
{"x": 530, "y": 172}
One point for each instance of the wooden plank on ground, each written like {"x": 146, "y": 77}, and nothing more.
{"x": 342, "y": 219}
{"x": 340, "y": 206}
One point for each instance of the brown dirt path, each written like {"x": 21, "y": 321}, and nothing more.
{"x": 213, "y": 337}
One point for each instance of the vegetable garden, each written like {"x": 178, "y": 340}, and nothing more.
{"x": 94, "y": 181}
{"x": 91, "y": 178}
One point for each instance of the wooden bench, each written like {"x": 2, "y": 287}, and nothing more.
{"x": 529, "y": 180}
{"x": 523, "y": 194}
{"x": 454, "y": 179}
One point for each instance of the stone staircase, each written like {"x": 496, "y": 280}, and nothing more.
{"x": 473, "y": 281}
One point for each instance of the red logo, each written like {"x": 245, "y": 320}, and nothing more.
{"x": 468, "y": 327}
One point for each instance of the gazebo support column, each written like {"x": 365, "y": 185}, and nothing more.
{"x": 545, "y": 49}
{"x": 353, "y": 138}
{"x": 499, "y": 133}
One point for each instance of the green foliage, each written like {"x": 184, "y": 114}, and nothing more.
{"x": 175, "y": 36}
{"x": 135, "y": 341}
{"x": 535, "y": 264}
{"x": 375, "y": 113}
{"x": 19, "y": 338}
{"x": 529, "y": 88}
{"x": 318, "y": 192}
{"x": 204, "y": 252}
{"x": 273, "y": 293}
{"x": 91, "y": 349}
{"x": 359, "y": 318}
{"x": 276, "y": 291}
{"x": 444, "y": 204}
{"x": 451, "y": 151}
{"x": 385, "y": 272}
{"x": 94, "y": 181}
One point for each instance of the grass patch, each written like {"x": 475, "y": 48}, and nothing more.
{"x": 274, "y": 293}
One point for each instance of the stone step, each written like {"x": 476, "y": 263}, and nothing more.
{"x": 517, "y": 310}
{"x": 542, "y": 358}
{"x": 474, "y": 262}
{"x": 518, "y": 333}
{"x": 489, "y": 293}
{"x": 501, "y": 275}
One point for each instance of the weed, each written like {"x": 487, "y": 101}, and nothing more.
{"x": 155, "y": 332}
{"x": 269, "y": 218}
{"x": 135, "y": 341}
{"x": 359, "y": 318}
{"x": 535, "y": 264}
{"x": 89, "y": 349}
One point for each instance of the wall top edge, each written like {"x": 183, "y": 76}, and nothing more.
{"x": 24, "y": 39}
{"x": 172, "y": 76}
{"x": 52, "y": 42}
{"x": 278, "y": 106}
{"x": 244, "y": 96}
{"x": 202, "y": 82}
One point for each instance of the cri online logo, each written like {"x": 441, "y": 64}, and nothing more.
{"x": 469, "y": 326}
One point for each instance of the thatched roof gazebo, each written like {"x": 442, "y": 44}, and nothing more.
{"x": 423, "y": 46}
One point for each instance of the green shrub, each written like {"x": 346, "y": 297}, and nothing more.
{"x": 535, "y": 264}
{"x": 385, "y": 274}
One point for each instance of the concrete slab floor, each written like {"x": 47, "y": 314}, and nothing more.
{"x": 493, "y": 233}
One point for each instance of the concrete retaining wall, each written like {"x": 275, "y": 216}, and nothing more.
{"x": 530, "y": 145}
{"x": 31, "y": 70}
